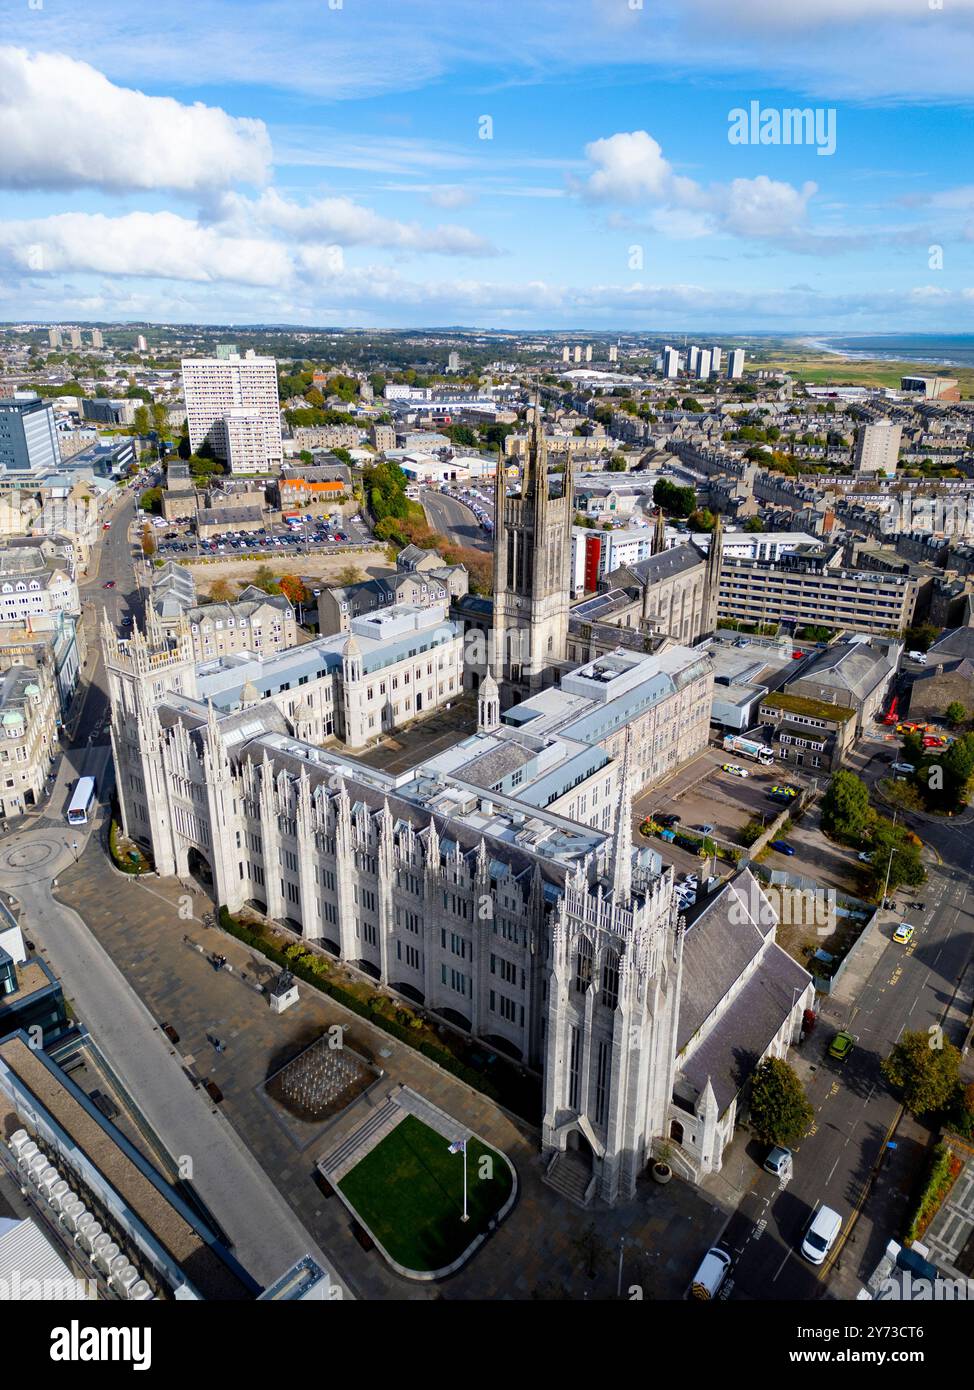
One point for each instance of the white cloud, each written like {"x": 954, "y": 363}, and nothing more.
{"x": 154, "y": 244}
{"x": 66, "y": 126}
{"x": 764, "y": 207}
{"x": 341, "y": 220}
{"x": 631, "y": 170}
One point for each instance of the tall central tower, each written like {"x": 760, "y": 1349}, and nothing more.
{"x": 532, "y": 561}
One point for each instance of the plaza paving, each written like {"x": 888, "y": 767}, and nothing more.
{"x": 544, "y": 1249}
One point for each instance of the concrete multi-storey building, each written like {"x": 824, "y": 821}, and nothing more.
{"x": 28, "y": 437}
{"x": 735, "y": 364}
{"x": 811, "y": 586}
{"x": 233, "y": 403}
{"x": 877, "y": 447}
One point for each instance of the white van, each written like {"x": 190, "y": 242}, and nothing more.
{"x": 821, "y": 1235}
{"x": 713, "y": 1270}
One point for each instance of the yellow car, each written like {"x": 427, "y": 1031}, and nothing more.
{"x": 903, "y": 934}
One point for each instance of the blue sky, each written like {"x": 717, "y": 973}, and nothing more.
{"x": 322, "y": 163}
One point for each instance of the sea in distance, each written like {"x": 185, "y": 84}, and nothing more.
{"x": 937, "y": 349}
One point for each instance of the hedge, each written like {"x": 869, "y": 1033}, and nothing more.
{"x": 299, "y": 966}
{"x": 944, "y": 1170}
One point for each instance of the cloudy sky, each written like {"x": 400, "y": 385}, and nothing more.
{"x": 486, "y": 162}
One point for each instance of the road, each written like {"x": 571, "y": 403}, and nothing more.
{"x": 266, "y": 1235}
{"x": 840, "y": 1162}
{"x": 454, "y": 520}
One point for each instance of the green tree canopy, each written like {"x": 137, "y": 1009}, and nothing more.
{"x": 845, "y": 806}
{"x": 677, "y": 501}
{"x": 924, "y": 1067}
{"x": 780, "y": 1110}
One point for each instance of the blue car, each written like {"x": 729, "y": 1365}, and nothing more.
{"x": 782, "y": 847}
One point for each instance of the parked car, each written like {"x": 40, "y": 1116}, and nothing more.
{"x": 734, "y": 769}
{"x": 785, "y": 789}
{"x": 110, "y": 584}
{"x": 841, "y": 1046}
{"x": 904, "y": 934}
{"x": 667, "y": 818}
{"x": 779, "y": 1161}
{"x": 821, "y": 1235}
{"x": 864, "y": 857}
{"x": 919, "y": 657}
{"x": 906, "y": 768}
{"x": 783, "y": 847}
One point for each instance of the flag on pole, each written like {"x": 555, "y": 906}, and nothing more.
{"x": 460, "y": 1147}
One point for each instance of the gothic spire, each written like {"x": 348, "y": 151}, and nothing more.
{"x": 659, "y": 532}
{"x": 622, "y": 839}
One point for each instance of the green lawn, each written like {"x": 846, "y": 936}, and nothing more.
{"x": 409, "y": 1192}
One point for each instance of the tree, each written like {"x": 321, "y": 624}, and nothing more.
{"x": 349, "y": 575}
{"x": 222, "y": 591}
{"x": 920, "y": 637}
{"x": 678, "y": 501}
{"x": 265, "y": 579}
{"x": 754, "y": 523}
{"x": 141, "y": 421}
{"x": 895, "y": 856}
{"x": 151, "y": 500}
{"x": 780, "y": 1110}
{"x": 924, "y": 1067}
{"x": 148, "y": 541}
{"x": 702, "y": 519}
{"x": 845, "y": 806}
{"x": 293, "y": 589}
{"x": 956, "y": 713}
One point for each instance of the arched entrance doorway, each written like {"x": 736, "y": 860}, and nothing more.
{"x": 200, "y": 869}
{"x": 676, "y": 1132}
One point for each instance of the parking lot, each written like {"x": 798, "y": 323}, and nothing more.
{"x": 314, "y": 533}
{"x": 701, "y": 794}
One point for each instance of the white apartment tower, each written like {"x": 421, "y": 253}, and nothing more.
{"x": 613, "y": 353}
{"x": 703, "y": 365}
{"x": 877, "y": 447}
{"x": 566, "y": 353}
{"x": 671, "y": 363}
{"x": 233, "y": 403}
{"x": 735, "y": 364}
{"x": 715, "y": 356}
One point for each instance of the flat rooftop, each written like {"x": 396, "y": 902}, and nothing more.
{"x": 122, "y": 1168}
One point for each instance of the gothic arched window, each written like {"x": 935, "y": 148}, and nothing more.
{"x": 610, "y": 980}
{"x": 584, "y": 961}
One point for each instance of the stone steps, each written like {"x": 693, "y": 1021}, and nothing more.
{"x": 570, "y": 1176}
{"x": 357, "y": 1144}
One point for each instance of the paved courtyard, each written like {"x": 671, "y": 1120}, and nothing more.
{"x": 547, "y": 1248}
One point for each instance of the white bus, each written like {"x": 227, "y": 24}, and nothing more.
{"x": 84, "y": 795}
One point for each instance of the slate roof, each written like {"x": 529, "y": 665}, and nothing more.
{"x": 855, "y": 667}
{"x": 668, "y": 563}
{"x": 721, "y": 942}
{"x": 959, "y": 642}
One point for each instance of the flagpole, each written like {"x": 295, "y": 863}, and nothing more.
{"x": 465, "y": 1217}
